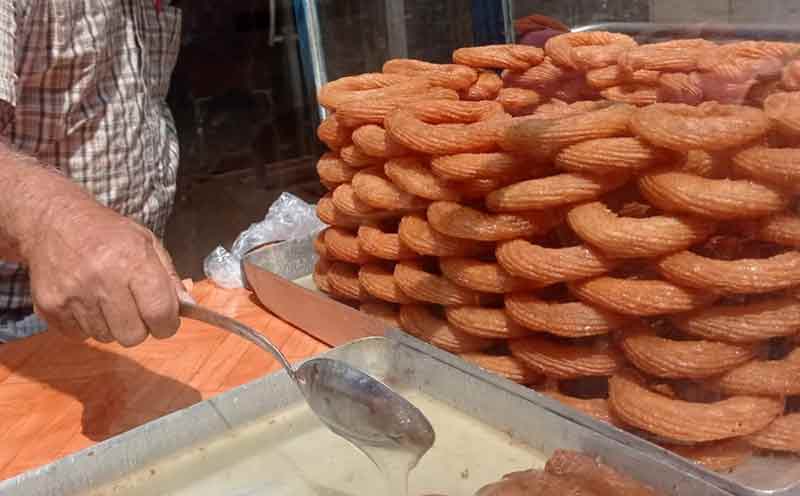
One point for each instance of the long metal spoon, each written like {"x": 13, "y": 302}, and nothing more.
{"x": 352, "y": 404}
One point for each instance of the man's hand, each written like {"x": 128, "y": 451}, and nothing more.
{"x": 97, "y": 274}
{"x": 94, "y": 273}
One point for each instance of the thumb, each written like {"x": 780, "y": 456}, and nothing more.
{"x": 166, "y": 261}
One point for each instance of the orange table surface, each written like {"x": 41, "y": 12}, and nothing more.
{"x": 58, "y": 396}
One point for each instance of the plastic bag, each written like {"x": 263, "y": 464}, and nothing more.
{"x": 288, "y": 218}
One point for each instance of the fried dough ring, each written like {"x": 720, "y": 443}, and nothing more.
{"x": 486, "y": 277}
{"x": 601, "y": 478}
{"x": 628, "y": 237}
{"x": 415, "y": 282}
{"x": 572, "y": 91}
{"x": 330, "y": 215}
{"x": 383, "y": 245}
{"x": 343, "y": 280}
{"x": 670, "y": 56}
{"x": 670, "y": 359}
{"x": 465, "y": 166}
{"x": 784, "y": 109}
{"x": 633, "y": 94}
{"x": 780, "y": 435}
{"x": 375, "y": 190}
{"x": 790, "y": 76}
{"x": 320, "y": 275}
{"x": 710, "y": 126}
{"x": 722, "y": 199}
{"x": 597, "y": 408}
{"x": 541, "y": 77}
{"x": 743, "y": 276}
{"x": 778, "y": 166}
{"x": 379, "y": 282}
{"x": 342, "y": 245}
{"x": 553, "y": 191}
{"x": 420, "y": 321}
{"x": 678, "y": 87}
{"x": 370, "y": 85}
{"x": 357, "y": 158}
{"x": 385, "y": 312}
{"x": 782, "y": 229}
{"x": 614, "y": 76}
{"x": 514, "y": 57}
{"x": 487, "y": 87}
{"x": 454, "y": 76}
{"x": 545, "y": 137}
{"x": 720, "y": 90}
{"x": 640, "y": 297}
{"x": 319, "y": 244}
{"x": 566, "y": 361}
{"x": 416, "y": 233}
{"x": 762, "y": 378}
{"x": 334, "y": 170}
{"x": 747, "y": 60}
{"x": 443, "y": 127}
{"x": 333, "y": 133}
{"x": 329, "y": 186}
{"x": 489, "y": 323}
{"x": 519, "y": 101}
{"x": 612, "y": 156}
{"x": 572, "y": 319}
{"x": 375, "y": 142}
{"x": 346, "y": 201}
{"x": 746, "y": 323}
{"x": 547, "y": 266}
{"x": 358, "y": 112}
{"x": 413, "y": 177}
{"x": 505, "y": 366}
{"x": 593, "y": 57}
{"x": 464, "y": 222}
{"x": 683, "y": 421}
{"x": 561, "y": 48}
{"x": 718, "y": 457}
{"x": 556, "y": 109}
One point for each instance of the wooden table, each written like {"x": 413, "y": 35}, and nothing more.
{"x": 58, "y": 397}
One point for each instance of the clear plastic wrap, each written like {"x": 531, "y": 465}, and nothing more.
{"x": 288, "y": 218}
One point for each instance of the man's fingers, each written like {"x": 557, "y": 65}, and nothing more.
{"x": 154, "y": 291}
{"x": 121, "y": 314}
{"x": 166, "y": 261}
{"x": 92, "y": 322}
{"x": 65, "y": 325}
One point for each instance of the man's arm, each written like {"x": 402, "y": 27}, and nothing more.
{"x": 92, "y": 270}
{"x": 25, "y": 185}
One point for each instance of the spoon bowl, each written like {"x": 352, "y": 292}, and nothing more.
{"x": 351, "y": 403}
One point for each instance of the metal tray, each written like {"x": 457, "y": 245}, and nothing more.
{"x": 261, "y": 439}
{"x": 762, "y": 475}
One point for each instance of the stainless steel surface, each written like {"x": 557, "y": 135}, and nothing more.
{"x": 508, "y": 21}
{"x": 288, "y": 259}
{"x": 312, "y": 27}
{"x": 270, "y": 271}
{"x": 400, "y": 361}
{"x": 396, "y": 31}
{"x": 351, "y": 403}
{"x": 646, "y": 31}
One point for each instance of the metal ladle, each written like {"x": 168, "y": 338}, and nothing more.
{"x": 352, "y": 404}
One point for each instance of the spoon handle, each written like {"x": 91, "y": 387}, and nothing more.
{"x": 196, "y": 312}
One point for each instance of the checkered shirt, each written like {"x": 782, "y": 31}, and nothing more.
{"x": 83, "y": 87}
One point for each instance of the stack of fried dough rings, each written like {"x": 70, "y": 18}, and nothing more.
{"x": 612, "y": 224}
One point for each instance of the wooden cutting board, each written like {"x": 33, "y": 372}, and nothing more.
{"x": 58, "y": 396}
